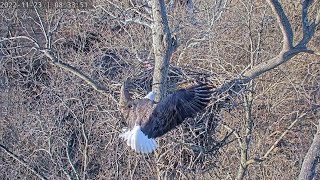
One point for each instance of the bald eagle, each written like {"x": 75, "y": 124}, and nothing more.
{"x": 148, "y": 120}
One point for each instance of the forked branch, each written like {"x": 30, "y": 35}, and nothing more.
{"x": 288, "y": 49}
{"x": 308, "y": 27}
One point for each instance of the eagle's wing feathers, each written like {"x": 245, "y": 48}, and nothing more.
{"x": 174, "y": 109}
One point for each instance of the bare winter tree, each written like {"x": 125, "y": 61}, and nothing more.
{"x": 289, "y": 50}
{"x": 81, "y": 128}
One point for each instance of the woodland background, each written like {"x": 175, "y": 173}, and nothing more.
{"x": 54, "y": 125}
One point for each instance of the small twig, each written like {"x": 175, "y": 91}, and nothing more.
{"x": 21, "y": 161}
{"x": 235, "y": 134}
{"x": 53, "y": 30}
{"x": 283, "y": 134}
{"x": 127, "y": 21}
{"x": 85, "y": 149}
{"x": 70, "y": 162}
{"x": 21, "y": 37}
{"x": 43, "y": 29}
{"x": 137, "y": 21}
{"x": 265, "y": 156}
{"x": 103, "y": 90}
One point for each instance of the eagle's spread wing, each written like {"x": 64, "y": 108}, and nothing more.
{"x": 152, "y": 121}
{"x": 174, "y": 109}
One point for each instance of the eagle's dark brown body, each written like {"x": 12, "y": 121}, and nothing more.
{"x": 138, "y": 111}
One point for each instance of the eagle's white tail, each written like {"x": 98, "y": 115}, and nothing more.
{"x": 151, "y": 95}
{"x": 138, "y": 141}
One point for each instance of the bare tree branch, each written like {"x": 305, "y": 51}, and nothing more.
{"x": 274, "y": 145}
{"x": 284, "y": 24}
{"x": 308, "y": 28}
{"x": 85, "y": 151}
{"x": 263, "y": 67}
{"x": 21, "y": 161}
{"x": 288, "y": 51}
{"x": 308, "y": 168}
{"x": 70, "y": 162}
{"x": 101, "y": 89}
{"x": 137, "y": 21}
{"x": 21, "y": 37}
{"x": 142, "y": 20}
{"x": 236, "y": 134}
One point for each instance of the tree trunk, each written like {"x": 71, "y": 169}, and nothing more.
{"x": 162, "y": 47}
{"x": 308, "y": 169}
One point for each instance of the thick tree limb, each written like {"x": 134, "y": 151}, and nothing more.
{"x": 21, "y": 161}
{"x": 308, "y": 169}
{"x": 281, "y": 58}
{"x": 288, "y": 50}
{"x": 163, "y": 47}
{"x": 308, "y": 28}
{"x": 284, "y": 24}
